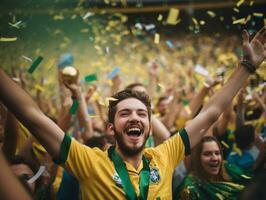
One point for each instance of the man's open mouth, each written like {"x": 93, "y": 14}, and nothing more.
{"x": 134, "y": 131}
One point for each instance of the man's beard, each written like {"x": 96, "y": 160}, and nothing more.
{"x": 124, "y": 148}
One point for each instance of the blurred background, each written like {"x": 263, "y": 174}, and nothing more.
{"x": 128, "y": 34}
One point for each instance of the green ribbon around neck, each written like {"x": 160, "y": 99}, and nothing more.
{"x": 121, "y": 169}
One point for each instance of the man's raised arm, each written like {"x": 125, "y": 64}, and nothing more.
{"x": 255, "y": 53}
{"x": 27, "y": 112}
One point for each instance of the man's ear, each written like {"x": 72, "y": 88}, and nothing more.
{"x": 110, "y": 128}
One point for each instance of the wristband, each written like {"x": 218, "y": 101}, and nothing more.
{"x": 250, "y": 67}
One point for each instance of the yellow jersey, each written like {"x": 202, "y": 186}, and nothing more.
{"x": 97, "y": 176}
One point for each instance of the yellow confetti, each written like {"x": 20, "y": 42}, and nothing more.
{"x": 244, "y": 176}
{"x": 161, "y": 86}
{"x": 211, "y": 13}
{"x": 251, "y": 3}
{"x": 4, "y": 39}
{"x": 220, "y": 197}
{"x": 202, "y": 22}
{"x": 195, "y": 21}
{"x": 240, "y": 21}
{"x": 221, "y": 18}
{"x": 172, "y": 16}
{"x": 39, "y": 87}
{"x": 58, "y": 17}
{"x": 236, "y": 10}
{"x": 225, "y": 145}
{"x": 264, "y": 22}
{"x": 111, "y": 99}
{"x": 84, "y": 30}
{"x": 93, "y": 116}
{"x": 250, "y": 112}
{"x": 240, "y": 2}
{"x": 248, "y": 18}
{"x": 160, "y": 17}
{"x": 258, "y": 14}
{"x": 156, "y": 38}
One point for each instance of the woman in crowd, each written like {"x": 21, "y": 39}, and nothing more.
{"x": 210, "y": 176}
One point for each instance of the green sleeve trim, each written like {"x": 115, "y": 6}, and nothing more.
{"x": 64, "y": 149}
{"x": 185, "y": 139}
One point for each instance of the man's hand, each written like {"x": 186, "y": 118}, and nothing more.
{"x": 255, "y": 50}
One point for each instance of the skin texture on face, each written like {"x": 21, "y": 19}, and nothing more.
{"x": 22, "y": 169}
{"x": 211, "y": 158}
{"x": 131, "y": 126}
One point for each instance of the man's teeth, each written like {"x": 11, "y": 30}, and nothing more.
{"x": 134, "y": 131}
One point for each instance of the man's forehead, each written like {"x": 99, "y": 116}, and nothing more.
{"x": 131, "y": 104}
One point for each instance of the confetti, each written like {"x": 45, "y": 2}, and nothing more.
{"x": 247, "y": 177}
{"x": 74, "y": 107}
{"x": 87, "y": 15}
{"x": 240, "y": 2}
{"x": 16, "y": 25}
{"x": 149, "y": 27}
{"x": 264, "y": 22}
{"x": 258, "y": 14}
{"x": 39, "y": 87}
{"x": 240, "y": 21}
{"x": 138, "y": 26}
{"x": 156, "y": 38}
{"x": 160, "y": 17}
{"x": 4, "y": 39}
{"x": 115, "y": 71}
{"x": 111, "y": 99}
{"x": 27, "y": 58}
{"x": 236, "y": 10}
{"x": 224, "y": 144}
{"x": 251, "y": 3}
{"x": 172, "y": 16}
{"x": 58, "y": 17}
{"x": 37, "y": 175}
{"x": 84, "y": 30}
{"x": 161, "y": 86}
{"x": 93, "y": 116}
{"x": 91, "y": 77}
{"x": 35, "y": 64}
{"x": 169, "y": 44}
{"x": 201, "y": 70}
{"x": 211, "y": 13}
{"x": 195, "y": 21}
{"x": 248, "y": 18}
{"x": 202, "y": 22}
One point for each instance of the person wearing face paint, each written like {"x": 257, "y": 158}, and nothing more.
{"x": 127, "y": 170}
{"x": 210, "y": 177}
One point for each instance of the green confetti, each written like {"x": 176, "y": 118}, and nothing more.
{"x": 91, "y": 77}
{"x": 74, "y": 107}
{"x": 185, "y": 102}
{"x": 35, "y": 64}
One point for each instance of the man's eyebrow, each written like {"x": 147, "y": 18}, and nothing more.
{"x": 128, "y": 110}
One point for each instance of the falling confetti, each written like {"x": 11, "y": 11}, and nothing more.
{"x": 4, "y": 39}
{"x": 172, "y": 16}
{"x": 35, "y": 64}
{"x": 156, "y": 38}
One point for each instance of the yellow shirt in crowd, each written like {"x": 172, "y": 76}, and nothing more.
{"x": 99, "y": 180}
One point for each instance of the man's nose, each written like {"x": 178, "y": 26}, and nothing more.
{"x": 134, "y": 117}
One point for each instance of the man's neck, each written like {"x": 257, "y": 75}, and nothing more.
{"x": 134, "y": 160}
